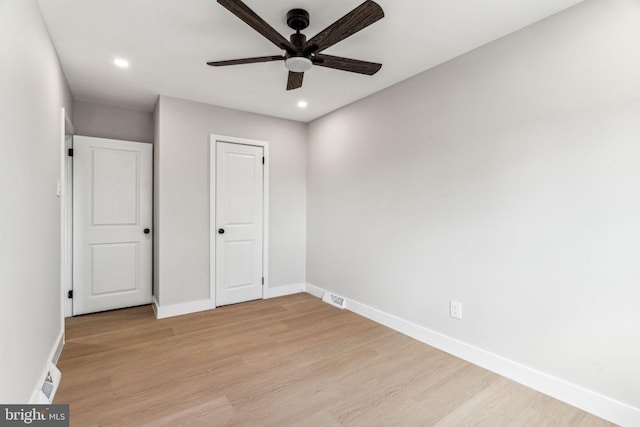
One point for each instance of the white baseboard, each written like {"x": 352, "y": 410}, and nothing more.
{"x": 587, "y": 400}
{"x": 154, "y": 306}
{"x": 314, "y": 290}
{"x": 58, "y": 351}
{"x": 280, "y": 291}
{"x": 54, "y": 355}
{"x": 164, "y": 311}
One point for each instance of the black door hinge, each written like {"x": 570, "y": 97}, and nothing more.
{"x": 263, "y": 280}
{"x": 70, "y": 294}
{"x": 70, "y": 152}
{"x": 263, "y": 160}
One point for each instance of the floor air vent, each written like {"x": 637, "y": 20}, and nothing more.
{"x": 49, "y": 386}
{"x": 334, "y": 300}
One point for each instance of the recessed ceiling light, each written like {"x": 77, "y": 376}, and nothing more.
{"x": 302, "y": 104}
{"x": 122, "y": 63}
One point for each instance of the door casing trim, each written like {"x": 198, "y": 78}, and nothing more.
{"x": 66, "y": 214}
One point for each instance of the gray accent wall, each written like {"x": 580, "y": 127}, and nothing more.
{"x": 182, "y": 195}
{"x": 106, "y": 121}
{"x": 506, "y": 179}
{"x": 33, "y": 90}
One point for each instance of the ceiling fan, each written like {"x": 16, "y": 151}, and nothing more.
{"x": 301, "y": 54}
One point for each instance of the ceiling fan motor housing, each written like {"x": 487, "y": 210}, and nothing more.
{"x": 298, "y": 40}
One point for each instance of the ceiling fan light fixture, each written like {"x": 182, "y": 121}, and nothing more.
{"x": 298, "y": 64}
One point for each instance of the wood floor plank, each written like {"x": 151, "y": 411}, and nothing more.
{"x": 290, "y": 361}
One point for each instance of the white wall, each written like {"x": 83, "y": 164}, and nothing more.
{"x": 106, "y": 121}
{"x": 506, "y": 179}
{"x": 182, "y": 195}
{"x": 33, "y": 91}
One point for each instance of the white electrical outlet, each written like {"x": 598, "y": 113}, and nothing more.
{"x": 455, "y": 309}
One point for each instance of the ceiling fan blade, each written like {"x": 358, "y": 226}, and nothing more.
{"x": 347, "y": 64}
{"x": 246, "y": 61}
{"x": 359, "y": 18}
{"x": 295, "y": 80}
{"x": 243, "y": 12}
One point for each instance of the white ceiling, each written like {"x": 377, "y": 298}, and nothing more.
{"x": 168, "y": 42}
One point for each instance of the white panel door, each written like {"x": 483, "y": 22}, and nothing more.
{"x": 112, "y": 243}
{"x": 239, "y": 223}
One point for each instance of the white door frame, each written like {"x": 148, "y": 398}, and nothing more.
{"x": 214, "y": 139}
{"x": 65, "y": 191}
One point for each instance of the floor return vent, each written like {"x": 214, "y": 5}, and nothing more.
{"x": 334, "y": 300}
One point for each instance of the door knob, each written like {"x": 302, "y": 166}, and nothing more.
{"x": 221, "y": 231}
{"x": 147, "y": 231}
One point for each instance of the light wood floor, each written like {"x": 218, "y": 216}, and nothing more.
{"x": 290, "y": 361}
